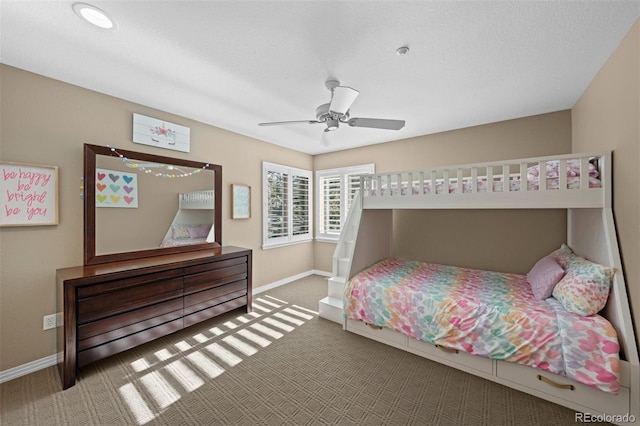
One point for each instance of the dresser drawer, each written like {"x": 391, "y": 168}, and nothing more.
{"x": 138, "y": 319}
{"x": 109, "y": 286}
{"x": 211, "y": 266}
{"x": 121, "y": 332}
{"x": 215, "y": 277}
{"x": 129, "y": 298}
{"x": 555, "y": 387}
{"x": 213, "y": 311}
{"x": 98, "y": 352}
{"x": 215, "y": 296}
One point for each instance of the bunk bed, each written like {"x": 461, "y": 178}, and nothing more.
{"x": 193, "y": 221}
{"x": 584, "y": 359}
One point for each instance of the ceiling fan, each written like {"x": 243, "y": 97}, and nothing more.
{"x": 337, "y": 111}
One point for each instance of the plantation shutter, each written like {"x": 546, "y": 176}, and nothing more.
{"x": 300, "y": 205}
{"x": 336, "y": 191}
{"x": 278, "y": 204}
{"x": 330, "y": 204}
{"x": 352, "y": 186}
{"x": 287, "y": 209}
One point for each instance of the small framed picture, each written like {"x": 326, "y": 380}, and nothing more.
{"x": 240, "y": 201}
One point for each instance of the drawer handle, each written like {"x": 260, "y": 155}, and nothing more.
{"x": 375, "y": 327}
{"x": 447, "y": 350}
{"x": 554, "y": 384}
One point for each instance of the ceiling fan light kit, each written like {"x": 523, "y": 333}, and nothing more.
{"x": 332, "y": 124}
{"x": 337, "y": 111}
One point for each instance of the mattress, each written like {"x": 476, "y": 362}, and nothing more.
{"x": 484, "y": 313}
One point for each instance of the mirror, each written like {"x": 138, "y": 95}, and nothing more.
{"x": 140, "y": 205}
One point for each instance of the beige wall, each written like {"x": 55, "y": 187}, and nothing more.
{"x": 494, "y": 240}
{"x": 45, "y": 121}
{"x": 459, "y": 237}
{"x": 607, "y": 117}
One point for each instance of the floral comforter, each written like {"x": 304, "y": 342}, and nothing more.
{"x": 485, "y": 313}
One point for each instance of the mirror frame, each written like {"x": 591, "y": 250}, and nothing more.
{"x": 90, "y": 256}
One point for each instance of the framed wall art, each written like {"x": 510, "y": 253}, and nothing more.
{"x": 161, "y": 134}
{"x": 116, "y": 189}
{"x": 28, "y": 194}
{"x": 240, "y": 201}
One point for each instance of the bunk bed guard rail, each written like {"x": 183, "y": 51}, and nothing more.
{"x": 571, "y": 180}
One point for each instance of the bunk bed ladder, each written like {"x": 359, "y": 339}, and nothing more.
{"x": 331, "y": 307}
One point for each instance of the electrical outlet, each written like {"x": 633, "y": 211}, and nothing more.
{"x": 49, "y": 321}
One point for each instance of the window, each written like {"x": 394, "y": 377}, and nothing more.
{"x": 286, "y": 194}
{"x": 336, "y": 190}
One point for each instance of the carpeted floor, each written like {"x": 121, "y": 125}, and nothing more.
{"x": 280, "y": 365}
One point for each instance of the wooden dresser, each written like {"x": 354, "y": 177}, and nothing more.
{"x": 112, "y": 307}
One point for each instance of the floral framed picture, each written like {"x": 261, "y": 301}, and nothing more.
{"x": 240, "y": 201}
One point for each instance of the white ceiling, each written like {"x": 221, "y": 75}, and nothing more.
{"x": 233, "y": 64}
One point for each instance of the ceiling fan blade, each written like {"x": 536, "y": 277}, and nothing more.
{"x": 277, "y": 123}
{"x": 342, "y": 99}
{"x": 376, "y": 123}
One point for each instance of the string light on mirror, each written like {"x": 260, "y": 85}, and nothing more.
{"x": 151, "y": 168}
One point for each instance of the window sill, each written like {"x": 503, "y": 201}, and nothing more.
{"x": 327, "y": 240}
{"x": 288, "y": 243}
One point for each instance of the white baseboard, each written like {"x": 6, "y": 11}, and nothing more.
{"x": 287, "y": 280}
{"x": 48, "y": 361}
{"x": 30, "y": 367}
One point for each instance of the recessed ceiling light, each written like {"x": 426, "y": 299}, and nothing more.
{"x": 94, "y": 16}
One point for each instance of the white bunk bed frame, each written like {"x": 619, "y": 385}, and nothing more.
{"x": 194, "y": 208}
{"x": 591, "y": 233}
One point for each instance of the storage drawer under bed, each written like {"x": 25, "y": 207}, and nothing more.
{"x": 553, "y": 387}
{"x": 458, "y": 359}
{"x": 452, "y": 357}
{"x": 380, "y": 334}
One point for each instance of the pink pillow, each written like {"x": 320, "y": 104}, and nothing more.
{"x": 544, "y": 276}
{"x": 573, "y": 170}
{"x": 563, "y": 256}
{"x": 199, "y": 231}
{"x": 179, "y": 232}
